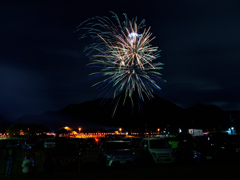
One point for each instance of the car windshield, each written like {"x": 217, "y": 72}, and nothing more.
{"x": 50, "y": 140}
{"x": 67, "y": 146}
{"x": 159, "y": 144}
{"x": 117, "y": 145}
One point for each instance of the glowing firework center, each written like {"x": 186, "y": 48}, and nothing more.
{"x": 125, "y": 57}
{"x": 133, "y": 37}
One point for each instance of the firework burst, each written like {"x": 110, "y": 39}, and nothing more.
{"x": 124, "y": 54}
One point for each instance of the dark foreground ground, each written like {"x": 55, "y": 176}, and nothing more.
{"x": 90, "y": 168}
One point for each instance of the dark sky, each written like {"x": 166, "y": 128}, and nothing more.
{"x": 42, "y": 66}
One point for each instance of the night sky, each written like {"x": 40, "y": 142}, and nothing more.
{"x": 43, "y": 67}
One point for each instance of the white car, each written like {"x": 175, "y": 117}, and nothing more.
{"x": 157, "y": 150}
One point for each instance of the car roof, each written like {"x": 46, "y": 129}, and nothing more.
{"x": 117, "y": 141}
{"x": 154, "y": 139}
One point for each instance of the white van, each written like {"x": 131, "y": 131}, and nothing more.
{"x": 158, "y": 149}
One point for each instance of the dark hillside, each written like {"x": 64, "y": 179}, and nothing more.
{"x": 142, "y": 115}
{"x": 207, "y": 117}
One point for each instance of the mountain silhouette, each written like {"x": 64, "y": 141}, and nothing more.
{"x": 135, "y": 115}
{"x": 4, "y": 123}
{"x": 151, "y": 114}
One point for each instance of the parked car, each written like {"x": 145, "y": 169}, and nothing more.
{"x": 190, "y": 151}
{"x": 6, "y": 143}
{"x": 92, "y": 142}
{"x": 234, "y": 143}
{"x": 81, "y": 142}
{"x": 136, "y": 142}
{"x": 66, "y": 157}
{"x": 29, "y": 143}
{"x": 66, "y": 149}
{"x": 49, "y": 143}
{"x": 157, "y": 150}
{"x": 184, "y": 151}
{"x": 226, "y": 147}
{"x": 116, "y": 152}
{"x": 205, "y": 146}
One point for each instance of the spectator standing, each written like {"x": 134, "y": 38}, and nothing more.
{"x": 9, "y": 160}
{"x": 27, "y": 165}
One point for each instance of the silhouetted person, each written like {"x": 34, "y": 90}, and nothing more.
{"x": 9, "y": 160}
{"x": 27, "y": 165}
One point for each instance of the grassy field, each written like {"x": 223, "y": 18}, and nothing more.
{"x": 90, "y": 168}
